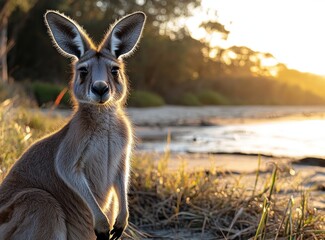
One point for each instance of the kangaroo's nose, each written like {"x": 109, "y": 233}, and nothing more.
{"x": 99, "y": 88}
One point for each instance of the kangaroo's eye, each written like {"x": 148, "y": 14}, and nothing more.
{"x": 83, "y": 71}
{"x": 115, "y": 71}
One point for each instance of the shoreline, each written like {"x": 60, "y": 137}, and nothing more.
{"x": 170, "y": 115}
{"x": 220, "y": 115}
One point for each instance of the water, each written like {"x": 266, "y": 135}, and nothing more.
{"x": 299, "y": 138}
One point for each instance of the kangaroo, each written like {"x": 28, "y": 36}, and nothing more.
{"x": 64, "y": 186}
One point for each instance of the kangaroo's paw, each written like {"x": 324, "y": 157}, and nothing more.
{"x": 118, "y": 230}
{"x": 102, "y": 229}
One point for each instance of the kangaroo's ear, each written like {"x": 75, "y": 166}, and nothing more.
{"x": 125, "y": 34}
{"x": 67, "y": 35}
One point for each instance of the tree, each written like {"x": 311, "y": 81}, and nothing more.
{"x": 27, "y": 58}
{"x": 7, "y": 7}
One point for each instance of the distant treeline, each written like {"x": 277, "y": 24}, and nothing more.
{"x": 170, "y": 63}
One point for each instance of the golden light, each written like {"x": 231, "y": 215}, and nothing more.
{"x": 291, "y": 30}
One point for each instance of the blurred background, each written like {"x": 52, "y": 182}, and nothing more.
{"x": 192, "y": 53}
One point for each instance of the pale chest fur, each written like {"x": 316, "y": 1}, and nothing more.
{"x": 105, "y": 153}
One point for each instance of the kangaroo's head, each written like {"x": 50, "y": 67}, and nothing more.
{"x": 98, "y": 70}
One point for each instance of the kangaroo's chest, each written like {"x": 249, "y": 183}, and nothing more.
{"x": 102, "y": 159}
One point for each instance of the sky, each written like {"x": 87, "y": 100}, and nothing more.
{"x": 292, "y": 30}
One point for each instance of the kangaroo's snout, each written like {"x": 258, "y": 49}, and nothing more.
{"x": 99, "y": 88}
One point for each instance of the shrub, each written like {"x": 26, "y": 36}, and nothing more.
{"x": 189, "y": 99}
{"x": 16, "y": 92}
{"x": 47, "y": 93}
{"x": 208, "y": 97}
{"x": 145, "y": 99}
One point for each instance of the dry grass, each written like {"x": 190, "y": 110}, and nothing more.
{"x": 182, "y": 205}
{"x": 218, "y": 205}
{"x": 19, "y": 128}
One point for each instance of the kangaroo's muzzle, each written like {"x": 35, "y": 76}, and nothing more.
{"x": 99, "y": 88}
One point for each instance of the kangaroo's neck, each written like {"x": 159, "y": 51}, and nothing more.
{"x": 93, "y": 116}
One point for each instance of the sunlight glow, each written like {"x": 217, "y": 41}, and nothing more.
{"x": 291, "y": 30}
{"x": 268, "y": 62}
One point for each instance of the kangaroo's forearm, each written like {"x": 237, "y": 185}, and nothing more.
{"x": 120, "y": 186}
